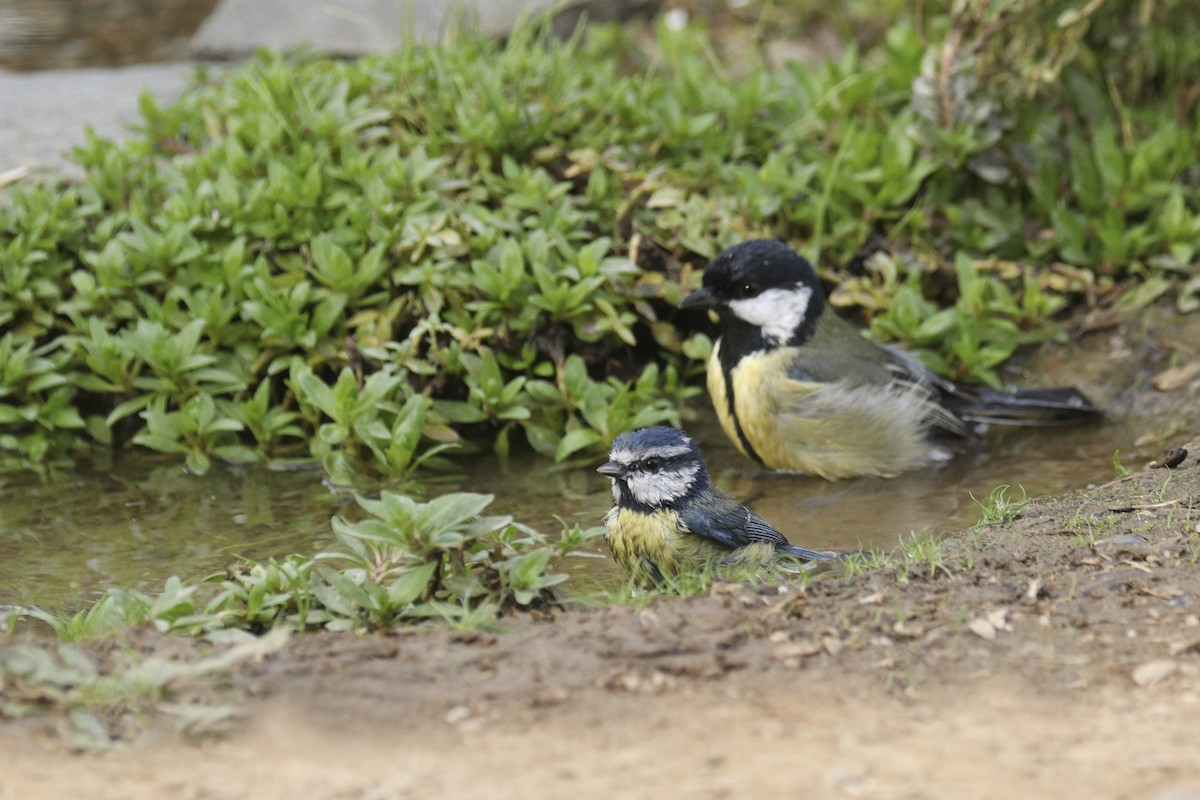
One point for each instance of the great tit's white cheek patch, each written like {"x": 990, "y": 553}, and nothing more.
{"x": 778, "y": 312}
{"x": 659, "y": 488}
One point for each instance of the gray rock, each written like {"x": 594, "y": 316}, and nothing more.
{"x": 45, "y": 114}
{"x": 351, "y": 27}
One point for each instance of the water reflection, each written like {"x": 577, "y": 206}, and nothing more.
{"x": 132, "y": 524}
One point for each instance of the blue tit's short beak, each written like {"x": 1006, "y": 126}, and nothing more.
{"x": 701, "y": 298}
{"x": 611, "y": 468}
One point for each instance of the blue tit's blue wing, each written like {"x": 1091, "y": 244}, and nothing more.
{"x": 730, "y": 525}
{"x": 759, "y": 530}
{"x": 733, "y": 526}
{"x": 711, "y": 526}
{"x": 756, "y": 529}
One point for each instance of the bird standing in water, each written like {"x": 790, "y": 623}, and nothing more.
{"x": 798, "y": 389}
{"x": 667, "y": 516}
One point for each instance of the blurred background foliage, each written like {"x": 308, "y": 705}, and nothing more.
{"x": 381, "y": 263}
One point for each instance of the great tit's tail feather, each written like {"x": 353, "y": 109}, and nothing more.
{"x": 1060, "y": 406}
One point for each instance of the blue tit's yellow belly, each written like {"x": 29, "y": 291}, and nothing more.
{"x": 834, "y": 430}
{"x": 638, "y": 540}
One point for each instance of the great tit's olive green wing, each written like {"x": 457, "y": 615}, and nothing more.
{"x": 867, "y": 374}
{"x": 837, "y": 351}
{"x": 812, "y": 367}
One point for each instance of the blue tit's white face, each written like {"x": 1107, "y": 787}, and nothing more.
{"x": 655, "y": 476}
{"x": 777, "y": 312}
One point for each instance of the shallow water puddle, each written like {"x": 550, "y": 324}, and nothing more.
{"x": 136, "y": 522}
{"x": 131, "y": 525}
{"x": 65, "y": 540}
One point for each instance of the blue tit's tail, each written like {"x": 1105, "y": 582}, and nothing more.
{"x": 1063, "y": 406}
{"x": 804, "y": 553}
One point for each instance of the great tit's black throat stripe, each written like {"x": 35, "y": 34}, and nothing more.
{"x": 738, "y": 340}
{"x": 731, "y": 402}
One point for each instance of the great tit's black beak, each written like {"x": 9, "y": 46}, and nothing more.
{"x": 698, "y": 299}
{"x": 611, "y": 468}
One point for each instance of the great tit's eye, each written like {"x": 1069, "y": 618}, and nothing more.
{"x": 744, "y": 290}
{"x": 653, "y": 464}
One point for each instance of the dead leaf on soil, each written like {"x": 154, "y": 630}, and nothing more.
{"x": 1166, "y": 593}
{"x": 797, "y": 649}
{"x": 1033, "y": 590}
{"x": 12, "y": 176}
{"x": 1189, "y": 646}
{"x": 1148, "y": 507}
{"x": 1153, "y": 672}
{"x": 794, "y": 605}
{"x": 655, "y": 682}
{"x": 1176, "y": 377}
{"x": 982, "y": 628}
{"x": 908, "y": 631}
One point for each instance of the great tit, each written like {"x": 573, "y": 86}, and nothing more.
{"x": 799, "y": 389}
{"x": 667, "y": 516}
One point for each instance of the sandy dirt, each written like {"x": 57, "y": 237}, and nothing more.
{"x": 1054, "y": 655}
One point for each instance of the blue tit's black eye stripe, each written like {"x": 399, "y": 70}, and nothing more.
{"x": 657, "y": 463}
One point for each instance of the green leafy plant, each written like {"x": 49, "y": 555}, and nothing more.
{"x": 405, "y": 563}
{"x": 95, "y": 696}
{"x": 999, "y": 507}
{"x": 486, "y": 241}
{"x": 1118, "y": 466}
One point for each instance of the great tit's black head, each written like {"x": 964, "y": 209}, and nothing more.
{"x": 656, "y": 467}
{"x": 763, "y": 285}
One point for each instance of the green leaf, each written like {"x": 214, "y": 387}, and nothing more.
{"x": 348, "y": 590}
{"x": 411, "y": 585}
{"x": 449, "y": 510}
{"x": 576, "y": 440}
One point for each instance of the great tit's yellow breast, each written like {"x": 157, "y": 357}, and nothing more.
{"x": 835, "y": 430}
{"x": 755, "y": 382}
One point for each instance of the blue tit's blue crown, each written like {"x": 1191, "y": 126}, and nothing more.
{"x": 655, "y": 468}
{"x": 659, "y": 440}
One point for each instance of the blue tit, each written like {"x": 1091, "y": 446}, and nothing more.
{"x": 667, "y": 516}
{"x": 798, "y": 389}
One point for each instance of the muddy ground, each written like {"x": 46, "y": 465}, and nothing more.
{"x": 1054, "y": 655}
